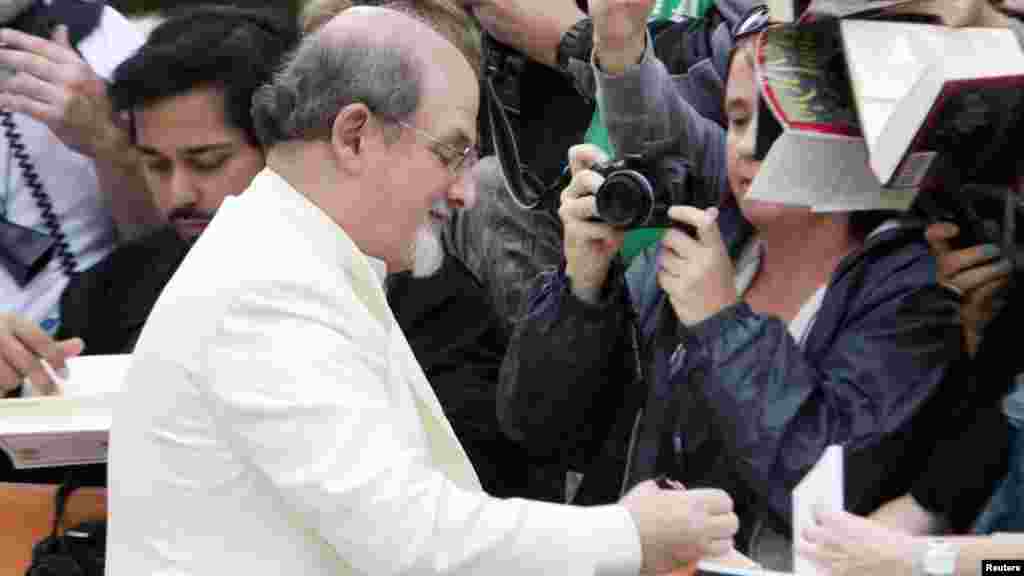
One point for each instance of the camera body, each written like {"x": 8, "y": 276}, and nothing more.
{"x": 638, "y": 190}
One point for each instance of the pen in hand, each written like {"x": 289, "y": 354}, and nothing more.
{"x": 59, "y": 383}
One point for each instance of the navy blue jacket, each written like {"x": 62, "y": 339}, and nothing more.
{"x": 745, "y": 408}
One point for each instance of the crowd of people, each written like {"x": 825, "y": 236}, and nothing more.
{"x": 353, "y": 350}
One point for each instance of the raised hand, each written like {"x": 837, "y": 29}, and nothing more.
{"x": 620, "y": 31}
{"x": 977, "y": 274}
{"x": 54, "y": 85}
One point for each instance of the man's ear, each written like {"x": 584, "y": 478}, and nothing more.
{"x": 348, "y": 134}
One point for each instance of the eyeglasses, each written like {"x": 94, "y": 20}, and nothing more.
{"x": 755, "y": 20}
{"x": 455, "y": 160}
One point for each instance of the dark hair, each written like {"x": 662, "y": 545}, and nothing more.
{"x": 233, "y": 49}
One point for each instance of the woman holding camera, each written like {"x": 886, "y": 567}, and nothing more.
{"x": 768, "y": 335}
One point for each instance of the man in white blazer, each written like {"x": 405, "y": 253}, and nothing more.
{"x": 275, "y": 420}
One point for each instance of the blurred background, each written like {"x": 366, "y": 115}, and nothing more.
{"x": 149, "y": 8}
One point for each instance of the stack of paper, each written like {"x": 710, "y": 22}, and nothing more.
{"x": 69, "y": 429}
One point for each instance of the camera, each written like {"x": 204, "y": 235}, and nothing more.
{"x": 638, "y": 190}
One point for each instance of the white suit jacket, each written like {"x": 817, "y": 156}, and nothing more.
{"x": 275, "y": 421}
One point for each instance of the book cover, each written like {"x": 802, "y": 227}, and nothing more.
{"x": 933, "y": 99}
{"x": 808, "y": 131}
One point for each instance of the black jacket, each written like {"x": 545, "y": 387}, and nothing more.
{"x": 107, "y": 305}
{"x": 460, "y": 341}
{"x": 971, "y": 454}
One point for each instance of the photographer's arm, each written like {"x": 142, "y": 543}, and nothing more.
{"x": 566, "y": 370}
{"x": 534, "y": 27}
{"x": 646, "y": 113}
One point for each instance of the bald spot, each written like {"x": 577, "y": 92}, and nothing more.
{"x": 443, "y": 67}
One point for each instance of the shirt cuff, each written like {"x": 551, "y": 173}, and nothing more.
{"x": 616, "y": 538}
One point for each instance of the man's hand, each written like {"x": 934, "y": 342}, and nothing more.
{"x": 978, "y": 274}
{"x": 534, "y": 27}
{"x": 696, "y": 273}
{"x": 54, "y": 85}
{"x": 22, "y": 345}
{"x": 589, "y": 246}
{"x": 848, "y": 545}
{"x": 679, "y": 527}
{"x": 620, "y": 32}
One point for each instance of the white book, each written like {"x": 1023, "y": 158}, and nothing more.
{"x": 821, "y": 488}
{"x": 47, "y": 431}
{"x": 904, "y": 76}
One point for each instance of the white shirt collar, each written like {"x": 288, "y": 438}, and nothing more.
{"x": 380, "y": 267}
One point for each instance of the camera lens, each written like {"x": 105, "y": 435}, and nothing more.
{"x": 625, "y": 199}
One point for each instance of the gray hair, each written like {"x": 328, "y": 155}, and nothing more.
{"x": 325, "y": 74}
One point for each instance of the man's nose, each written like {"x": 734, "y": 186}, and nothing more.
{"x": 183, "y": 189}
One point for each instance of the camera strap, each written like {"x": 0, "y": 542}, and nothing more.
{"x": 527, "y": 189}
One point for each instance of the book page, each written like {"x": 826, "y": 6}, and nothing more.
{"x": 709, "y": 568}
{"x": 821, "y": 488}
{"x": 884, "y": 67}
{"x": 92, "y": 375}
{"x": 982, "y": 53}
{"x": 826, "y": 174}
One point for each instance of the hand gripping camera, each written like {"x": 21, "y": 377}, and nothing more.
{"x": 638, "y": 190}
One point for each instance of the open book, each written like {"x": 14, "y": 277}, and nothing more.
{"x": 69, "y": 429}
{"x": 819, "y": 158}
{"x": 928, "y": 95}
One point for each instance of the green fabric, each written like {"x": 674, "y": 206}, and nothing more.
{"x": 597, "y": 133}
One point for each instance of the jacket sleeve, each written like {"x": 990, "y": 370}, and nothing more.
{"x": 777, "y": 411}
{"x": 320, "y": 428}
{"x": 566, "y": 371}
{"x": 646, "y": 113}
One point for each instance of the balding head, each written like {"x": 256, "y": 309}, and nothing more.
{"x": 374, "y": 120}
{"x": 347, "y": 61}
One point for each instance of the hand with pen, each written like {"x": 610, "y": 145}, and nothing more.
{"x": 24, "y": 347}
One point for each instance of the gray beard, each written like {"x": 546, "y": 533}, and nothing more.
{"x": 427, "y": 251}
